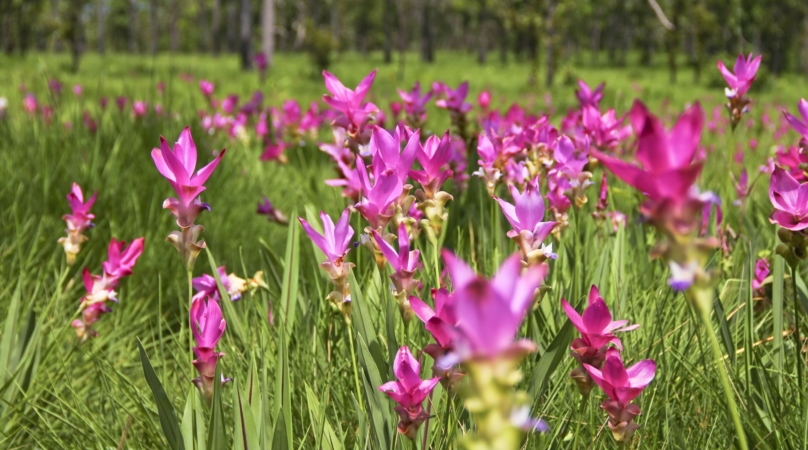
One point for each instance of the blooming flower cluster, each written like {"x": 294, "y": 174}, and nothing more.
{"x": 207, "y": 326}
{"x": 602, "y": 364}
{"x": 78, "y": 221}
{"x": 178, "y": 164}
{"x": 101, "y": 289}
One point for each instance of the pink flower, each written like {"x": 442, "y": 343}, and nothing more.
{"x": 433, "y": 156}
{"x": 89, "y": 123}
{"x": 207, "y": 326}
{"x": 121, "y": 259}
{"x": 409, "y": 392}
{"x": 29, "y": 103}
{"x": 745, "y": 70}
{"x": 439, "y": 322}
{"x": 588, "y": 97}
{"x": 77, "y": 222}
{"x": 667, "y": 168}
{"x": 387, "y": 152}
{"x": 274, "y": 151}
{"x": 490, "y": 312}
{"x": 415, "y": 103}
{"x": 139, "y": 109}
{"x": 230, "y": 103}
{"x": 790, "y": 200}
{"x": 619, "y": 383}
{"x": 596, "y": 325}
{"x": 121, "y": 102}
{"x": 103, "y": 101}
{"x": 273, "y": 214}
{"x": 77, "y": 90}
{"x": 606, "y": 131}
{"x": 526, "y": 216}
{"x": 80, "y": 218}
{"x": 335, "y": 240}
{"x": 455, "y": 98}
{"x": 205, "y": 285}
{"x": 178, "y": 165}
{"x": 622, "y": 385}
{"x": 761, "y": 272}
{"x": 261, "y": 62}
{"x": 206, "y": 87}
{"x": 570, "y": 159}
{"x": 349, "y": 102}
{"x": 101, "y": 289}
{"x": 404, "y": 262}
{"x": 55, "y": 86}
{"x": 378, "y": 198}
{"x": 798, "y": 125}
{"x": 484, "y": 100}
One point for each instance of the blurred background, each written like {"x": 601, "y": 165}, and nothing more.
{"x": 547, "y": 35}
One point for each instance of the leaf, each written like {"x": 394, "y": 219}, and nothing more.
{"x": 379, "y": 412}
{"x": 245, "y": 433}
{"x": 283, "y": 392}
{"x": 777, "y": 311}
{"x": 188, "y": 420}
{"x": 726, "y": 336}
{"x": 550, "y": 360}
{"x": 217, "y": 435}
{"x": 324, "y": 436}
{"x": 291, "y": 272}
{"x": 168, "y": 418}
{"x": 279, "y": 440}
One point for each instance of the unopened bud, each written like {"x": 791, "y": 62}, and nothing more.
{"x": 785, "y": 235}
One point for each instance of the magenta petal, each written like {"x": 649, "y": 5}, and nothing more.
{"x": 575, "y": 318}
{"x": 421, "y": 309}
{"x": 185, "y": 150}
{"x": 204, "y": 173}
{"x": 460, "y": 273}
{"x": 157, "y": 156}
{"x": 406, "y": 368}
{"x": 731, "y": 80}
{"x": 423, "y": 390}
{"x": 510, "y": 214}
{"x": 597, "y": 317}
{"x": 641, "y": 374}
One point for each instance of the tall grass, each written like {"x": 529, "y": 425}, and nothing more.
{"x": 294, "y": 380}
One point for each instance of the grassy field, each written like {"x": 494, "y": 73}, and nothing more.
{"x": 298, "y": 374}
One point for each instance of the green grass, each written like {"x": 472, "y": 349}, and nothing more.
{"x": 298, "y": 376}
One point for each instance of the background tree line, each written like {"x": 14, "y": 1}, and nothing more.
{"x": 543, "y": 32}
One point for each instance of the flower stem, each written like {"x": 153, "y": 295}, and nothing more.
{"x": 190, "y": 304}
{"x": 702, "y": 304}
{"x": 353, "y": 360}
{"x": 797, "y": 340}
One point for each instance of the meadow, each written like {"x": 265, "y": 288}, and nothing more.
{"x": 302, "y": 377}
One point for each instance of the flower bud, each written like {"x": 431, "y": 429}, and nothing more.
{"x": 784, "y": 235}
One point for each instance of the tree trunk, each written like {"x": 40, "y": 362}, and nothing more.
{"x": 202, "y": 21}
{"x": 102, "y": 25}
{"x": 388, "y": 31}
{"x": 174, "y": 29}
{"x": 596, "y": 33}
{"x": 155, "y": 27}
{"x": 482, "y": 41}
{"x": 232, "y": 26}
{"x": 216, "y": 26}
{"x": 246, "y": 35}
{"x": 551, "y": 43}
{"x": 268, "y": 30}
{"x": 427, "y": 36}
{"x": 503, "y": 42}
{"x": 133, "y": 25}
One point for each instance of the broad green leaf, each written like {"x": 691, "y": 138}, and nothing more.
{"x": 168, "y": 418}
{"x": 291, "y": 272}
{"x": 217, "y": 435}
{"x": 324, "y": 435}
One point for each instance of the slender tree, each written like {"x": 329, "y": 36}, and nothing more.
{"x": 268, "y": 29}
{"x": 245, "y": 36}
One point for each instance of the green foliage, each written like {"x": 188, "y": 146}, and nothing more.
{"x": 311, "y": 381}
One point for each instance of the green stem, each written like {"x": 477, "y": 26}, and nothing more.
{"x": 797, "y": 340}
{"x": 703, "y": 302}
{"x": 584, "y": 401}
{"x": 190, "y": 304}
{"x": 353, "y": 360}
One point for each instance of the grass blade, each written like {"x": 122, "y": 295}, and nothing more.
{"x": 168, "y": 418}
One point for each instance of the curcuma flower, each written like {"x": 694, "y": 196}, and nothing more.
{"x": 622, "y": 386}
{"x": 800, "y": 126}
{"x": 415, "y": 105}
{"x": 597, "y": 331}
{"x": 404, "y": 263}
{"x": 588, "y": 97}
{"x": 489, "y": 314}
{"x": 377, "y": 200}
{"x": 355, "y": 114}
{"x": 409, "y": 392}
{"x": 790, "y": 200}
{"x": 739, "y": 83}
{"x": 335, "y": 243}
{"x": 177, "y": 165}
{"x": 207, "y": 326}
{"x": 434, "y": 155}
{"x": 100, "y": 289}
{"x": 526, "y": 217}
{"x": 206, "y": 285}
{"x": 439, "y": 322}
{"x": 77, "y": 222}
{"x": 273, "y": 214}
